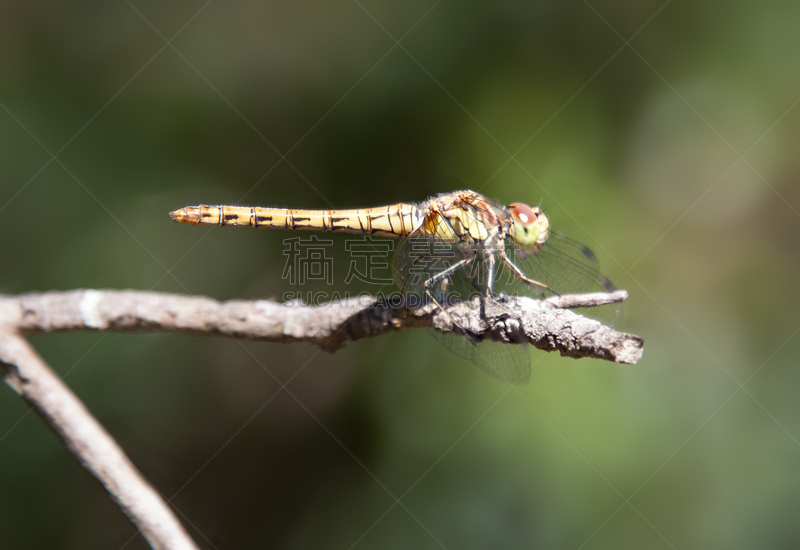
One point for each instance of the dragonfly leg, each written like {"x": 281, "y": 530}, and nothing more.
{"x": 490, "y": 276}
{"x": 439, "y": 276}
{"x": 488, "y": 293}
{"x": 490, "y": 286}
{"x": 474, "y": 278}
{"x": 489, "y": 261}
{"x": 522, "y": 275}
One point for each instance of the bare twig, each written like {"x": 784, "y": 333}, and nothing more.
{"x": 89, "y": 442}
{"x": 543, "y": 323}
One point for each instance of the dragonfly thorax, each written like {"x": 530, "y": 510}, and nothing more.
{"x": 464, "y": 218}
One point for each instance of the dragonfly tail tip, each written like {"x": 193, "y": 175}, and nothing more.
{"x": 183, "y": 216}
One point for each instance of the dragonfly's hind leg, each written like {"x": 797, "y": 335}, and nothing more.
{"x": 438, "y": 277}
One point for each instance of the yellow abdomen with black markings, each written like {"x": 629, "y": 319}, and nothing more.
{"x": 397, "y": 220}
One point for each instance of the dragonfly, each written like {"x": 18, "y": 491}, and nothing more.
{"x": 455, "y": 246}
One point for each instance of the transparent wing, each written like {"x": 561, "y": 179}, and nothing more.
{"x": 510, "y": 363}
{"x": 566, "y": 267}
{"x": 447, "y": 263}
{"x": 456, "y": 272}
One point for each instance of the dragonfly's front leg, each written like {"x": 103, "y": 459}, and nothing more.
{"x": 522, "y": 275}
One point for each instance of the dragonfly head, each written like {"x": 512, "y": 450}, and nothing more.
{"x": 531, "y": 227}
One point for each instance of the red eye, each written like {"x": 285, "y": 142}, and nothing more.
{"x": 522, "y": 213}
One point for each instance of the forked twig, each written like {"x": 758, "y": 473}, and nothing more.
{"x": 544, "y": 324}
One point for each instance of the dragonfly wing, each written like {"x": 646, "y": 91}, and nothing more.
{"x": 425, "y": 256}
{"x": 566, "y": 267}
{"x": 507, "y": 362}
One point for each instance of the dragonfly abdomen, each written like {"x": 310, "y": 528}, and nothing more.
{"x": 397, "y": 220}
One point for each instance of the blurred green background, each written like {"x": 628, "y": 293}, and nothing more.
{"x": 674, "y": 157}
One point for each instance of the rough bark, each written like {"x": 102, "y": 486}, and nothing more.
{"x": 545, "y": 323}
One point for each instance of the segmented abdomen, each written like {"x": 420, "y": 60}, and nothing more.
{"x": 397, "y": 220}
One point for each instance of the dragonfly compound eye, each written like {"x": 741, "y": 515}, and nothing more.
{"x": 523, "y": 214}
{"x": 528, "y": 228}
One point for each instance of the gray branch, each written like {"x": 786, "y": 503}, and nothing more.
{"x": 89, "y": 442}
{"x": 545, "y": 324}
